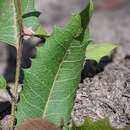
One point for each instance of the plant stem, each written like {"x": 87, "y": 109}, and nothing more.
{"x": 18, "y": 6}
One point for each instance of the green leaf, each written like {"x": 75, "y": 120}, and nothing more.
{"x": 96, "y": 51}
{"x": 3, "y": 83}
{"x": 102, "y": 124}
{"x": 40, "y": 30}
{"x": 8, "y": 20}
{"x": 47, "y": 83}
{"x": 41, "y": 33}
{"x": 51, "y": 82}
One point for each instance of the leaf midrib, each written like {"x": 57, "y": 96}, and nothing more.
{"x": 45, "y": 108}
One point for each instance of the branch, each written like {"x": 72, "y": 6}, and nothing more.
{"x": 18, "y": 6}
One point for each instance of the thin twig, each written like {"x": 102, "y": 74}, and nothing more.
{"x": 126, "y": 95}
{"x": 18, "y": 6}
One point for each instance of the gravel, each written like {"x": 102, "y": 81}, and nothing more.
{"x": 107, "y": 94}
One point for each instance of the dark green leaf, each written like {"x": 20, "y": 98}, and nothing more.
{"x": 30, "y": 14}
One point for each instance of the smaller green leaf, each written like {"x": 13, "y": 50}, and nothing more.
{"x": 40, "y": 30}
{"x": 102, "y": 124}
{"x": 3, "y": 82}
{"x": 96, "y": 51}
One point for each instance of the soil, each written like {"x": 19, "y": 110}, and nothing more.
{"x": 108, "y": 93}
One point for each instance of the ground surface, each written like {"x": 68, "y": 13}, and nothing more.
{"x": 107, "y": 94}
